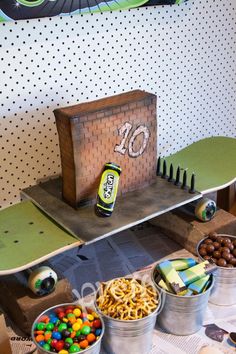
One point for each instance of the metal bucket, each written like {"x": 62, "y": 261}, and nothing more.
{"x": 93, "y": 349}
{"x": 129, "y": 336}
{"x": 224, "y": 291}
{"x": 182, "y": 315}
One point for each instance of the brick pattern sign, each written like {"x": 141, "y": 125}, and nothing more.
{"x": 120, "y": 129}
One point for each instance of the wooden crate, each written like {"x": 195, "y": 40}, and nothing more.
{"x": 120, "y": 129}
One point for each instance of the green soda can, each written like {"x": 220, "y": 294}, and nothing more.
{"x": 108, "y": 188}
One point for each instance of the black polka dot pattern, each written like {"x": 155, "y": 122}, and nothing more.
{"x": 185, "y": 54}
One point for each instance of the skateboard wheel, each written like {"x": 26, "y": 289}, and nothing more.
{"x": 42, "y": 280}
{"x": 205, "y": 209}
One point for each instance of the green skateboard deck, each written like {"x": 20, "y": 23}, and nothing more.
{"x": 27, "y": 238}
{"x": 213, "y": 160}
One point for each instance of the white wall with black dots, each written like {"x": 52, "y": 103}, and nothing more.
{"x": 185, "y": 54}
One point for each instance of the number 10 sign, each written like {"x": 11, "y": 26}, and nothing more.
{"x": 121, "y": 129}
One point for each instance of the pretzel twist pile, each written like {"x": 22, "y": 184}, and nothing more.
{"x": 127, "y": 299}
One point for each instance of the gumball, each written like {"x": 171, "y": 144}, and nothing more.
{"x": 69, "y": 340}
{"x": 98, "y": 332}
{"x": 41, "y": 343}
{"x": 59, "y": 345}
{"x": 67, "y": 345}
{"x": 39, "y": 338}
{"x": 47, "y": 335}
{"x": 76, "y": 326}
{"x": 97, "y": 323}
{"x": 91, "y": 338}
{"x": 61, "y": 315}
{"x": 40, "y": 326}
{"x": 74, "y": 348}
{"x": 81, "y": 338}
{"x": 77, "y": 312}
{"x": 53, "y": 342}
{"x": 54, "y": 319}
{"x": 90, "y": 317}
{"x": 84, "y": 344}
{"x": 63, "y": 351}
{"x": 49, "y": 326}
{"x": 62, "y": 326}
{"x": 56, "y": 335}
{"x": 65, "y": 333}
{"x": 46, "y": 346}
{"x": 85, "y": 330}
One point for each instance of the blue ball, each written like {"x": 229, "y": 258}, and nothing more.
{"x": 41, "y": 343}
{"x": 98, "y": 332}
{"x": 56, "y": 335}
{"x": 54, "y": 319}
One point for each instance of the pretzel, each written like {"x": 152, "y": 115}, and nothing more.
{"x": 127, "y": 299}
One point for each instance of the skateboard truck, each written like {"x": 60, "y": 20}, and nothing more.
{"x": 42, "y": 280}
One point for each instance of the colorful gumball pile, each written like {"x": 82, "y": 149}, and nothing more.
{"x": 67, "y": 329}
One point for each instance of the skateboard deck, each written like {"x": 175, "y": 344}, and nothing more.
{"x": 213, "y": 160}
{"x": 28, "y": 238}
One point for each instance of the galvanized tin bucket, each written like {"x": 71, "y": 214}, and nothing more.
{"x": 129, "y": 336}
{"x": 224, "y": 291}
{"x": 93, "y": 349}
{"x": 182, "y": 315}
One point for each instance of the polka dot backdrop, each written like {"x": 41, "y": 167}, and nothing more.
{"x": 185, "y": 54}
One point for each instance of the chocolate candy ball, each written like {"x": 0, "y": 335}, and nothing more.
{"x": 203, "y": 245}
{"x": 207, "y": 241}
{"x": 207, "y": 258}
{"x": 234, "y": 252}
{"x": 210, "y": 248}
{"x": 202, "y": 251}
{"x": 234, "y": 243}
{"x": 228, "y": 265}
{"x": 233, "y": 261}
{"x": 220, "y": 239}
{"x": 227, "y": 256}
{"x": 217, "y": 254}
{"x": 226, "y": 241}
{"x": 221, "y": 262}
{"x": 216, "y": 245}
{"x": 212, "y": 236}
{"x": 224, "y": 249}
{"x": 230, "y": 246}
